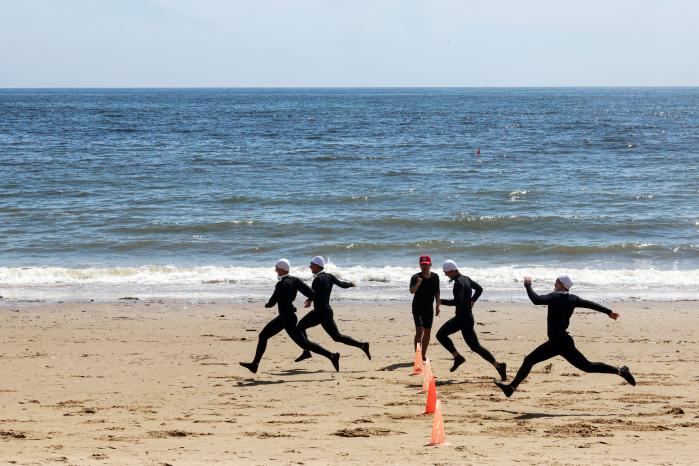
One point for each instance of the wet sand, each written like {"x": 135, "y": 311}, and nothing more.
{"x": 158, "y": 382}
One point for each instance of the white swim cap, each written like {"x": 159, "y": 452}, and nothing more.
{"x": 318, "y": 260}
{"x": 283, "y": 264}
{"x": 449, "y": 265}
{"x": 565, "y": 281}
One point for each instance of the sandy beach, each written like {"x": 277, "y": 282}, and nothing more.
{"x": 166, "y": 163}
{"x": 158, "y": 382}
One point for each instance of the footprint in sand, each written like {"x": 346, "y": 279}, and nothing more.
{"x": 362, "y": 420}
{"x": 365, "y": 432}
{"x": 174, "y": 433}
{"x": 264, "y": 435}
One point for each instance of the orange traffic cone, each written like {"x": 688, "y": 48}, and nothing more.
{"x": 427, "y": 371}
{"x": 417, "y": 365}
{"x": 431, "y": 397}
{"x": 437, "y": 437}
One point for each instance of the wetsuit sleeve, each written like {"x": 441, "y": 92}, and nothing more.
{"x": 413, "y": 281}
{"x": 340, "y": 283}
{"x": 458, "y": 296}
{"x": 477, "y": 291}
{"x": 591, "y": 305}
{"x": 305, "y": 289}
{"x": 274, "y": 298}
{"x": 535, "y": 298}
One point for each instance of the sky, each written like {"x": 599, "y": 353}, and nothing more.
{"x": 348, "y": 43}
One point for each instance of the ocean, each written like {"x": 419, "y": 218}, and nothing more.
{"x": 194, "y": 193}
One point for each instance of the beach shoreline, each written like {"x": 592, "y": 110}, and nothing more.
{"x": 155, "y": 381}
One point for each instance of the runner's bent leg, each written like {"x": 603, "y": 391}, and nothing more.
{"x": 540, "y": 354}
{"x": 577, "y": 359}
{"x": 309, "y": 320}
{"x": 299, "y": 339}
{"x": 274, "y": 326}
{"x": 328, "y": 323}
{"x": 449, "y": 327}
{"x": 471, "y": 339}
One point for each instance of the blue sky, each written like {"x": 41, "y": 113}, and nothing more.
{"x": 173, "y": 43}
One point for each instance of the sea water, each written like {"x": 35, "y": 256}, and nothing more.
{"x": 108, "y": 193}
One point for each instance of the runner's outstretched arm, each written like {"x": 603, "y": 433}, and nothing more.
{"x": 596, "y": 307}
{"x": 341, "y": 283}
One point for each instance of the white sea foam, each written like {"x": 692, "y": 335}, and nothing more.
{"x": 388, "y": 282}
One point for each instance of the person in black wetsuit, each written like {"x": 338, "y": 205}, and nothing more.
{"x": 322, "y": 313}
{"x": 561, "y": 305}
{"x": 464, "y": 298}
{"x": 424, "y": 286}
{"x": 283, "y": 296}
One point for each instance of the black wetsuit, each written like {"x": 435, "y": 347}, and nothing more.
{"x": 464, "y": 288}
{"x": 283, "y": 296}
{"x": 560, "y": 308}
{"x": 423, "y": 313}
{"x": 322, "y": 313}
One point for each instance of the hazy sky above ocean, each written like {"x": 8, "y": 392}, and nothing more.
{"x": 172, "y": 43}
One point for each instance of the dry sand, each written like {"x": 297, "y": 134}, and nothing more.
{"x": 158, "y": 382}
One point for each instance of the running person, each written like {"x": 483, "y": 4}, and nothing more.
{"x": 561, "y": 305}
{"x": 464, "y": 298}
{"x": 424, "y": 286}
{"x": 283, "y": 296}
{"x": 322, "y": 313}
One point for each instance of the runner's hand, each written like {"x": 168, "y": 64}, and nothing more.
{"x": 436, "y": 309}
{"x": 417, "y": 283}
{"x": 307, "y": 303}
{"x": 527, "y": 281}
{"x": 614, "y": 315}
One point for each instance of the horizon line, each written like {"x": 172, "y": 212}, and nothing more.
{"x": 361, "y": 87}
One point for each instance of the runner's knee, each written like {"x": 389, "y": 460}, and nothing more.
{"x": 529, "y": 361}
{"x": 473, "y": 345}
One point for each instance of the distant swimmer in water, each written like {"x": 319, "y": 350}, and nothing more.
{"x": 322, "y": 313}
{"x": 464, "y": 298}
{"x": 283, "y": 296}
{"x": 561, "y": 305}
{"x": 424, "y": 286}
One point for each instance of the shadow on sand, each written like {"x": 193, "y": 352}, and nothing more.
{"x": 297, "y": 372}
{"x": 399, "y": 365}
{"x": 522, "y": 416}
{"x": 443, "y": 383}
{"x": 255, "y": 382}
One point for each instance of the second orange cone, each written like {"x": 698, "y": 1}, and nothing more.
{"x": 431, "y": 397}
